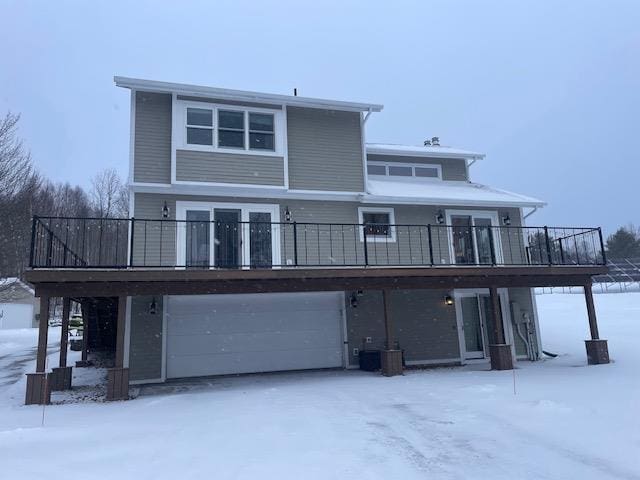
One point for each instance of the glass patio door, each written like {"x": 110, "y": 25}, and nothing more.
{"x": 477, "y": 323}
{"x": 473, "y": 240}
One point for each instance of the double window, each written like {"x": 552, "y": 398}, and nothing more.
{"x": 406, "y": 170}
{"x": 232, "y": 129}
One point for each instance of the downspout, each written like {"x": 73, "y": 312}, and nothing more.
{"x": 363, "y": 123}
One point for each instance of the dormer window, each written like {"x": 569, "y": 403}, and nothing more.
{"x": 232, "y": 129}
{"x": 404, "y": 170}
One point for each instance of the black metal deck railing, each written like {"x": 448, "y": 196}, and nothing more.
{"x": 84, "y": 243}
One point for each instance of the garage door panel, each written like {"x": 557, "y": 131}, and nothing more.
{"x": 254, "y": 362}
{"x": 227, "y": 334}
{"x": 16, "y": 315}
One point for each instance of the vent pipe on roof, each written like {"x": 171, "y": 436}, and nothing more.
{"x": 435, "y": 141}
{"x": 295, "y": 92}
{"x": 427, "y": 143}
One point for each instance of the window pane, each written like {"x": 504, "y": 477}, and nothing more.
{"x": 260, "y": 239}
{"x": 229, "y": 119}
{"x": 376, "y": 223}
{"x": 200, "y": 136}
{"x": 199, "y": 116}
{"x": 400, "y": 171}
{"x": 376, "y": 169}
{"x": 197, "y": 239}
{"x": 426, "y": 172}
{"x": 261, "y": 141}
{"x": 232, "y": 138}
{"x": 261, "y": 121}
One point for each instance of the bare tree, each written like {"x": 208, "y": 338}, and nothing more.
{"x": 16, "y": 169}
{"x": 109, "y": 196}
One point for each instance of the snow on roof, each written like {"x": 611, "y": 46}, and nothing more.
{"x": 446, "y": 193}
{"x": 242, "y": 95}
{"x": 421, "y": 151}
{"x": 12, "y": 288}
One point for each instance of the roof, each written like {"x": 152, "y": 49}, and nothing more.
{"x": 446, "y": 193}
{"x": 421, "y": 151}
{"x": 12, "y": 289}
{"x": 242, "y": 95}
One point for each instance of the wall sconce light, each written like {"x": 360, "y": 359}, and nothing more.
{"x": 360, "y": 293}
{"x": 506, "y": 220}
{"x": 153, "y": 307}
{"x": 353, "y": 301}
{"x": 165, "y": 210}
{"x": 440, "y": 217}
{"x": 287, "y": 214}
{"x": 448, "y": 300}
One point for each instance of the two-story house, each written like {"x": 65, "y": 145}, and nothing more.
{"x": 266, "y": 234}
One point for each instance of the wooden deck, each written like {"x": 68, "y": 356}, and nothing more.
{"x": 128, "y": 282}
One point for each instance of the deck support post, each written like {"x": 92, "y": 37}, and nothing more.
{"x": 118, "y": 377}
{"x": 391, "y": 356}
{"x": 499, "y": 352}
{"x": 597, "y": 349}
{"x": 60, "y": 377}
{"x": 38, "y": 392}
{"x": 84, "y": 359}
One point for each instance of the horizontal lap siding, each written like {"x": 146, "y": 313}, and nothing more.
{"x": 217, "y": 167}
{"x": 145, "y": 346}
{"x": 454, "y": 169}
{"x": 325, "y": 150}
{"x": 152, "y": 146}
{"x": 425, "y": 327}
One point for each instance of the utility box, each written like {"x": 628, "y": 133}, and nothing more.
{"x": 369, "y": 360}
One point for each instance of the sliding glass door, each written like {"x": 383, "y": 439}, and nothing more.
{"x": 474, "y": 238}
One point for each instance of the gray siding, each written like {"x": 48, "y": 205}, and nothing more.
{"x": 453, "y": 169}
{"x": 152, "y": 146}
{"x": 145, "y": 346}
{"x": 522, "y": 297}
{"x": 325, "y": 150}
{"x": 196, "y": 166}
{"x": 425, "y": 327}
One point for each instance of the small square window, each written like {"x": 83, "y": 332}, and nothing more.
{"x": 377, "y": 223}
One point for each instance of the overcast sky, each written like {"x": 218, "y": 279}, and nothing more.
{"x": 549, "y": 92}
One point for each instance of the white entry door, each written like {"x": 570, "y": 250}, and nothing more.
{"x": 232, "y": 334}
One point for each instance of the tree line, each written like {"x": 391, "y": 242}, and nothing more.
{"x": 25, "y": 192}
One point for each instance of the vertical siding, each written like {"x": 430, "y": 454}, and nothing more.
{"x": 152, "y": 146}
{"x": 145, "y": 346}
{"x": 453, "y": 169}
{"x": 325, "y": 150}
{"x": 425, "y": 327}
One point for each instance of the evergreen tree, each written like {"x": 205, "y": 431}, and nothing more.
{"x": 624, "y": 243}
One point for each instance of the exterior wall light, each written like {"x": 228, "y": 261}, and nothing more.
{"x": 353, "y": 301}
{"x": 506, "y": 220}
{"x": 448, "y": 300}
{"x": 440, "y": 217}
{"x": 153, "y": 307}
{"x": 287, "y": 214}
{"x": 165, "y": 210}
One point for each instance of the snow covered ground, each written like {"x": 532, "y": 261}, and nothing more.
{"x": 566, "y": 420}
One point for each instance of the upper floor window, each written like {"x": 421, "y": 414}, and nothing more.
{"x": 378, "y": 224}
{"x": 406, "y": 170}
{"x": 233, "y": 128}
{"x": 199, "y": 126}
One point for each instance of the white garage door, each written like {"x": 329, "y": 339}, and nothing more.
{"x": 227, "y": 334}
{"x": 16, "y": 315}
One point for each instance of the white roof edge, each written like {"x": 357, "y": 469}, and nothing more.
{"x": 229, "y": 94}
{"x": 446, "y": 202}
{"x": 430, "y": 152}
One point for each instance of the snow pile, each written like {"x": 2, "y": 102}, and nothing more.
{"x": 567, "y": 420}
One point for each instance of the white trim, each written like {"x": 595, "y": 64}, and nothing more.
{"x": 174, "y": 135}
{"x": 485, "y": 214}
{"x": 165, "y": 314}
{"x": 127, "y": 333}
{"x": 222, "y": 184}
{"x": 240, "y": 95}
{"x": 378, "y": 238}
{"x": 132, "y": 135}
{"x": 245, "y": 210}
{"x": 179, "y": 132}
{"x": 132, "y": 209}
{"x": 428, "y": 151}
{"x": 363, "y": 143}
{"x": 345, "y": 331}
{"x": 438, "y": 361}
{"x": 413, "y": 167}
{"x": 285, "y": 145}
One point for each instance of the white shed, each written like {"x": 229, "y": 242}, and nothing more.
{"x": 18, "y": 305}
